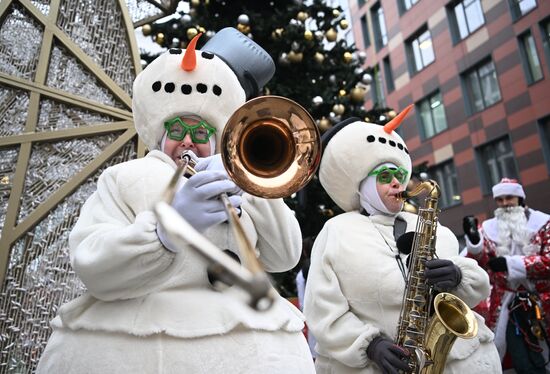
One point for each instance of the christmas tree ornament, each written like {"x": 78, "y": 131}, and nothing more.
{"x": 348, "y": 57}
{"x": 175, "y": 26}
{"x": 344, "y": 24}
{"x": 191, "y": 33}
{"x": 382, "y": 118}
{"x": 338, "y": 109}
{"x": 146, "y": 29}
{"x": 243, "y": 19}
{"x": 201, "y": 29}
{"x": 195, "y": 3}
{"x": 336, "y": 12}
{"x": 294, "y": 22}
{"x": 175, "y": 43}
{"x": 186, "y": 18}
{"x": 283, "y": 59}
{"x": 159, "y": 38}
{"x": 302, "y": 16}
{"x": 324, "y": 124}
{"x": 245, "y": 29}
{"x": 357, "y": 94}
{"x": 317, "y": 100}
{"x": 358, "y": 71}
{"x": 331, "y": 35}
{"x": 308, "y": 35}
{"x": 210, "y": 34}
{"x": 295, "y": 46}
{"x": 342, "y": 93}
{"x": 362, "y": 56}
{"x": 391, "y": 114}
{"x": 295, "y": 57}
{"x": 332, "y": 78}
{"x": 319, "y": 35}
{"x": 367, "y": 78}
{"x": 319, "y": 57}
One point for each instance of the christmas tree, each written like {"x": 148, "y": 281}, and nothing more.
{"x": 315, "y": 66}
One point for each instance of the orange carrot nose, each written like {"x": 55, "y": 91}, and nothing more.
{"x": 189, "y": 61}
{"x": 394, "y": 123}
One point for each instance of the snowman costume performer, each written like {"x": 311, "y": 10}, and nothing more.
{"x": 150, "y": 308}
{"x": 355, "y": 284}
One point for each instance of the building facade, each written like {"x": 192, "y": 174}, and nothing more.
{"x": 478, "y": 74}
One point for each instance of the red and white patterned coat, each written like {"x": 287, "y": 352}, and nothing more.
{"x": 536, "y": 267}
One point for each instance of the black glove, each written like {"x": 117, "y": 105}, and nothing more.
{"x": 388, "y": 356}
{"x": 497, "y": 264}
{"x": 469, "y": 224}
{"x": 444, "y": 275}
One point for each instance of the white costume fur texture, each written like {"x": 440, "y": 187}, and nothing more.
{"x": 151, "y": 299}
{"x": 148, "y": 309}
{"x": 355, "y": 286}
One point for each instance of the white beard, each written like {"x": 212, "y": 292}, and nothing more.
{"x": 512, "y": 229}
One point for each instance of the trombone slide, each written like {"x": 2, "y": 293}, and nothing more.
{"x": 181, "y": 233}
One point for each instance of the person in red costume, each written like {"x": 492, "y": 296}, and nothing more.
{"x": 514, "y": 248}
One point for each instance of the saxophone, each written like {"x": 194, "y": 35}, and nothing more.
{"x": 429, "y": 338}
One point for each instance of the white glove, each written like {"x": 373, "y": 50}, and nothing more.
{"x": 198, "y": 200}
{"x": 215, "y": 163}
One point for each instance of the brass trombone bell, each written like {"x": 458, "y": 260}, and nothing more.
{"x": 271, "y": 147}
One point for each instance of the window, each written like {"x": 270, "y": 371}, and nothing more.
{"x": 521, "y": 7}
{"x": 545, "y": 28}
{"x": 377, "y": 90}
{"x": 421, "y": 52}
{"x": 445, "y": 175}
{"x": 531, "y": 62}
{"x": 365, "y": 30}
{"x": 482, "y": 86}
{"x": 496, "y": 161}
{"x": 468, "y": 16}
{"x": 379, "y": 26}
{"x": 432, "y": 115}
{"x": 544, "y": 127}
{"x": 388, "y": 74}
{"x": 405, "y": 5}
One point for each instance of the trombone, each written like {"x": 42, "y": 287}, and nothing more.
{"x": 271, "y": 149}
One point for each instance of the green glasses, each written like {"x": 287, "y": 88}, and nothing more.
{"x": 200, "y": 133}
{"x": 385, "y": 175}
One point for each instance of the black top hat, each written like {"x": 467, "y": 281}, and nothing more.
{"x": 253, "y": 66}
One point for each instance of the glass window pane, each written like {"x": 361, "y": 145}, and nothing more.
{"x": 475, "y": 91}
{"x": 382, "y": 26}
{"x": 532, "y": 57}
{"x": 426, "y": 117}
{"x": 489, "y": 84}
{"x": 445, "y": 175}
{"x": 417, "y": 57}
{"x": 426, "y": 48}
{"x": 474, "y": 15}
{"x": 438, "y": 111}
{"x": 526, "y": 5}
{"x": 461, "y": 21}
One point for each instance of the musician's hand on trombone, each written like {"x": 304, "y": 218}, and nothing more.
{"x": 198, "y": 200}
{"x": 214, "y": 163}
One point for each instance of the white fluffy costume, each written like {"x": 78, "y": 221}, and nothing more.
{"x": 151, "y": 310}
{"x": 355, "y": 286}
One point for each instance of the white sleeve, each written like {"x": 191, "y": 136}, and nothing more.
{"x": 339, "y": 333}
{"x": 516, "y": 268}
{"x": 279, "y": 235}
{"x": 474, "y": 286}
{"x": 474, "y": 249}
{"x": 114, "y": 246}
